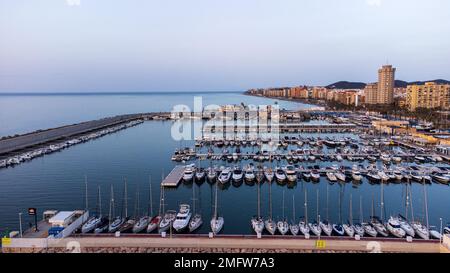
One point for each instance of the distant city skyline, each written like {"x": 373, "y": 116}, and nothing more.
{"x": 200, "y": 45}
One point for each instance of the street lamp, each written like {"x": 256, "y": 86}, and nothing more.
{"x": 20, "y": 223}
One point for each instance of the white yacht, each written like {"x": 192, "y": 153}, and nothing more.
{"x": 280, "y": 175}
{"x": 188, "y": 173}
{"x": 225, "y": 176}
{"x": 182, "y": 218}
{"x": 291, "y": 173}
{"x": 237, "y": 174}
{"x": 331, "y": 177}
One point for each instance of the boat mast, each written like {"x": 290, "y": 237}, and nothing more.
{"x": 215, "y": 202}
{"x": 111, "y": 205}
{"x": 150, "y": 195}
{"x": 99, "y": 203}
{"x": 317, "y": 205}
{"x": 361, "y": 218}
{"x": 259, "y": 207}
{"x": 193, "y": 198}
{"x": 373, "y": 205}
{"x": 293, "y": 208}
{"x": 306, "y": 207}
{"x": 411, "y": 205}
{"x": 283, "y": 206}
{"x": 327, "y": 203}
{"x": 381, "y": 202}
{"x": 136, "y": 205}
{"x": 351, "y": 212}
{"x": 426, "y": 203}
{"x": 270, "y": 201}
{"x": 86, "y": 192}
{"x": 125, "y": 194}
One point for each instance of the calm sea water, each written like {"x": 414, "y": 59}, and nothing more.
{"x": 56, "y": 181}
{"x": 25, "y": 113}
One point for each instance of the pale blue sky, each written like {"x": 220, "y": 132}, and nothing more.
{"x": 208, "y": 45}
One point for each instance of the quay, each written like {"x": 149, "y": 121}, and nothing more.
{"x": 229, "y": 244}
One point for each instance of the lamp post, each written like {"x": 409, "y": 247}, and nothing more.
{"x": 20, "y": 223}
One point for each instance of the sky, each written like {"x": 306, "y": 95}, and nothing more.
{"x": 212, "y": 45}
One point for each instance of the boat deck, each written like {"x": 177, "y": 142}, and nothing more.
{"x": 174, "y": 177}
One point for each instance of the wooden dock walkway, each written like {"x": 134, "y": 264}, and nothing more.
{"x": 174, "y": 177}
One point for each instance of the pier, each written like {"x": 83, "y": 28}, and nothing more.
{"x": 174, "y": 177}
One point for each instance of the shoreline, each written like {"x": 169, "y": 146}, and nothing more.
{"x": 302, "y": 101}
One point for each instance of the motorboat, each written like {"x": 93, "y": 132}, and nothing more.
{"x": 280, "y": 175}
{"x": 167, "y": 220}
{"x": 211, "y": 174}
{"x": 182, "y": 218}
{"x": 393, "y": 226}
{"x": 188, "y": 174}
{"x": 331, "y": 176}
{"x": 315, "y": 175}
{"x": 291, "y": 173}
{"x": 225, "y": 176}
{"x": 268, "y": 174}
{"x": 237, "y": 174}
{"x": 200, "y": 174}
{"x": 340, "y": 176}
{"x": 249, "y": 173}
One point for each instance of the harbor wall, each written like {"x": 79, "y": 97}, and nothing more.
{"x": 39, "y": 137}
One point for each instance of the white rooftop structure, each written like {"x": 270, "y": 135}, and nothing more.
{"x": 62, "y": 218}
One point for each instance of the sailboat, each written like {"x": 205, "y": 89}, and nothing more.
{"x": 338, "y": 228}
{"x": 196, "y": 220}
{"x": 270, "y": 225}
{"x": 129, "y": 222}
{"x": 326, "y": 227}
{"x": 359, "y": 228}
{"x": 303, "y": 225}
{"x": 114, "y": 222}
{"x": 283, "y": 226}
{"x": 104, "y": 221}
{"x": 154, "y": 222}
{"x": 315, "y": 226}
{"x": 257, "y": 221}
{"x": 143, "y": 222}
{"x": 377, "y": 222}
{"x": 168, "y": 218}
{"x": 94, "y": 221}
{"x": 349, "y": 228}
{"x": 217, "y": 222}
{"x": 293, "y": 227}
{"x": 420, "y": 229}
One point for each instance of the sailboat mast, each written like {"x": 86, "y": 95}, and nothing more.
{"x": 259, "y": 207}
{"x": 283, "y": 205}
{"x": 215, "y": 203}
{"x": 136, "y": 207}
{"x": 86, "y": 192}
{"x": 150, "y": 195}
{"x": 411, "y": 204}
{"x": 293, "y": 208}
{"x": 99, "y": 203}
{"x": 306, "y": 207}
{"x": 111, "y": 205}
{"x": 270, "y": 200}
{"x": 426, "y": 203}
{"x": 381, "y": 202}
{"x": 125, "y": 193}
{"x": 317, "y": 205}
{"x": 373, "y": 205}
{"x": 361, "y": 217}
{"x": 351, "y": 211}
{"x": 328, "y": 203}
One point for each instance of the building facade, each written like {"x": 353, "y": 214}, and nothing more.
{"x": 386, "y": 84}
{"x": 371, "y": 93}
{"x": 430, "y": 96}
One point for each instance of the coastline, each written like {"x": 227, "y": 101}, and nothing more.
{"x": 303, "y": 101}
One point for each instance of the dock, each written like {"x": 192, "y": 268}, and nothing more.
{"x": 174, "y": 177}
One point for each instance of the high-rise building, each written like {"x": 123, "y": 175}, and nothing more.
{"x": 386, "y": 82}
{"x": 430, "y": 96}
{"x": 371, "y": 93}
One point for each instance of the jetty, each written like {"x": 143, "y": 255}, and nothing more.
{"x": 174, "y": 177}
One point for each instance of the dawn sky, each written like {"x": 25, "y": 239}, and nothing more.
{"x": 207, "y": 45}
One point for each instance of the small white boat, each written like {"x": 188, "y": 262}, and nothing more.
{"x": 283, "y": 227}
{"x": 404, "y": 224}
{"x": 268, "y": 174}
{"x": 182, "y": 218}
{"x": 369, "y": 229}
{"x": 435, "y": 234}
{"x": 188, "y": 174}
{"x": 379, "y": 227}
{"x": 315, "y": 175}
{"x": 291, "y": 173}
{"x": 217, "y": 224}
{"x": 280, "y": 175}
{"x": 199, "y": 174}
{"x": 393, "y": 226}
{"x": 421, "y": 230}
{"x": 331, "y": 176}
{"x": 257, "y": 225}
